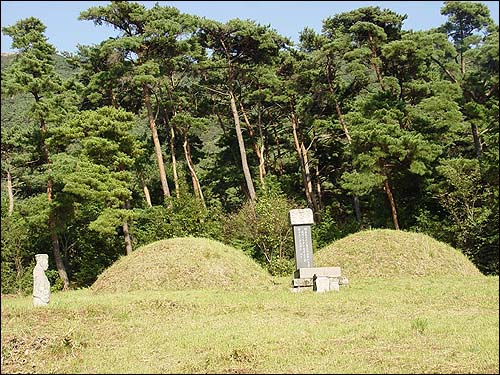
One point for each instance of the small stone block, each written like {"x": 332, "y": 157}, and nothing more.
{"x": 334, "y": 284}
{"x": 344, "y": 281}
{"x": 309, "y": 272}
{"x": 302, "y": 282}
{"x": 322, "y": 284}
{"x": 301, "y": 216}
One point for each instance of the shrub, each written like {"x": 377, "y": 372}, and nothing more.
{"x": 180, "y": 217}
{"x": 262, "y": 230}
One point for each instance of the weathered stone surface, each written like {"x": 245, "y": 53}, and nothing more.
{"x": 321, "y": 284}
{"x": 302, "y": 282}
{"x": 301, "y": 216}
{"x": 321, "y": 279}
{"x": 334, "y": 284}
{"x": 309, "y": 272}
{"x": 303, "y": 246}
{"x": 41, "y": 284}
{"x": 344, "y": 281}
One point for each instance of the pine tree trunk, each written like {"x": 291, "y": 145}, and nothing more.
{"x": 357, "y": 208}
{"x": 10, "y": 193}
{"x": 172, "y": 140}
{"x": 146, "y": 191}
{"x": 262, "y": 164}
{"x": 304, "y": 167}
{"x": 318, "y": 189}
{"x": 56, "y": 249}
{"x": 194, "y": 177}
{"x": 259, "y": 152}
{"x": 112, "y": 96}
{"x": 174, "y": 161}
{"x": 462, "y": 63}
{"x": 278, "y": 158}
{"x": 241, "y": 144}
{"x": 308, "y": 178}
{"x": 375, "y": 66}
{"x": 394, "y": 211}
{"x": 126, "y": 234}
{"x": 156, "y": 141}
{"x": 57, "y": 253}
{"x": 342, "y": 122}
{"x": 478, "y": 147}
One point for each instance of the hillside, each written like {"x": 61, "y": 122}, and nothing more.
{"x": 182, "y": 264}
{"x": 61, "y": 65}
{"x": 388, "y": 253}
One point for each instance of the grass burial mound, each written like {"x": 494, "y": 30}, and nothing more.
{"x": 180, "y": 264}
{"x": 389, "y": 253}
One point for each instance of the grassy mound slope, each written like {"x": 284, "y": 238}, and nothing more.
{"x": 180, "y": 264}
{"x": 388, "y": 253}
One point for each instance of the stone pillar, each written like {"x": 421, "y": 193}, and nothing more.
{"x": 41, "y": 284}
{"x": 306, "y": 276}
{"x": 301, "y": 220}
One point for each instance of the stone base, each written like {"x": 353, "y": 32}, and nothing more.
{"x": 309, "y": 272}
{"x": 302, "y": 283}
{"x": 319, "y": 283}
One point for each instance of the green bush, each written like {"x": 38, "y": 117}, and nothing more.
{"x": 180, "y": 217}
{"x": 262, "y": 230}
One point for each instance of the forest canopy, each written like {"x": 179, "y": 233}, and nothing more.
{"x": 184, "y": 126}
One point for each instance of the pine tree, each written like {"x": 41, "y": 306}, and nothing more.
{"x": 131, "y": 19}
{"x": 101, "y": 153}
{"x": 239, "y": 45}
{"x": 32, "y": 72}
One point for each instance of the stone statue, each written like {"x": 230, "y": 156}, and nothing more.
{"x": 41, "y": 285}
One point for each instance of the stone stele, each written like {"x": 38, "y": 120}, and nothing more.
{"x": 301, "y": 216}
{"x": 41, "y": 284}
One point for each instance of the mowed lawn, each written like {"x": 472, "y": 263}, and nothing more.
{"x": 444, "y": 324}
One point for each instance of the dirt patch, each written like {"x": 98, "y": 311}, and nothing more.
{"x": 18, "y": 352}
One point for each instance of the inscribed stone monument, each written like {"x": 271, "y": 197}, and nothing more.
{"x": 41, "y": 285}
{"x": 301, "y": 220}
{"x": 306, "y": 276}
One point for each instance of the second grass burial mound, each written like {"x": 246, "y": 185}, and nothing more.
{"x": 182, "y": 264}
{"x": 389, "y": 253}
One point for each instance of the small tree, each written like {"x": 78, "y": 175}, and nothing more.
{"x": 262, "y": 229}
{"x": 33, "y": 73}
{"x": 101, "y": 153}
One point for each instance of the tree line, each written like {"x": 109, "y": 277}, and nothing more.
{"x": 184, "y": 126}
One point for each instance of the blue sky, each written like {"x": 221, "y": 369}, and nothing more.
{"x": 288, "y": 18}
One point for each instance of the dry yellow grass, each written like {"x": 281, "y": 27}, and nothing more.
{"x": 183, "y": 264}
{"x": 389, "y": 253}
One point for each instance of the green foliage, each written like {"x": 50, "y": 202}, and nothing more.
{"x": 329, "y": 229}
{"x": 377, "y": 110}
{"x": 470, "y": 215}
{"x": 180, "y": 217}
{"x": 262, "y": 230}
{"x": 463, "y": 19}
{"x": 14, "y": 255}
{"x": 419, "y": 325}
{"x": 24, "y": 234}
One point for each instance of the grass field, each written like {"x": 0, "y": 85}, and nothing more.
{"x": 442, "y": 324}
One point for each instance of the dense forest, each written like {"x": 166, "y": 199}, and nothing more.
{"x": 184, "y": 126}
